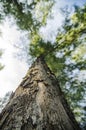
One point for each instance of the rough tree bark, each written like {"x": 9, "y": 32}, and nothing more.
{"x": 38, "y": 103}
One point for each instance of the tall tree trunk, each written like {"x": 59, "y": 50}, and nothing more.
{"x": 38, "y": 103}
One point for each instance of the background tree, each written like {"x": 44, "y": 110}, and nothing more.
{"x": 66, "y": 55}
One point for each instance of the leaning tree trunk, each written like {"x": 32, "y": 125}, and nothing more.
{"x": 38, "y": 103}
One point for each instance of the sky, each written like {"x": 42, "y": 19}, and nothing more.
{"x": 15, "y": 70}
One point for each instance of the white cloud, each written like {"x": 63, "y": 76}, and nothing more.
{"x": 14, "y": 70}
{"x": 82, "y": 76}
{"x": 11, "y": 75}
{"x": 50, "y": 31}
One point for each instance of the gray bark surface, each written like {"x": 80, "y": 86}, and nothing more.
{"x": 38, "y": 103}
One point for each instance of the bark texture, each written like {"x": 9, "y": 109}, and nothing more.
{"x": 38, "y": 103}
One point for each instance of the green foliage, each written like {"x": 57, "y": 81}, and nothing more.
{"x": 28, "y": 15}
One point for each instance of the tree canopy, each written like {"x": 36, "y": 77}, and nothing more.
{"x": 66, "y": 55}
